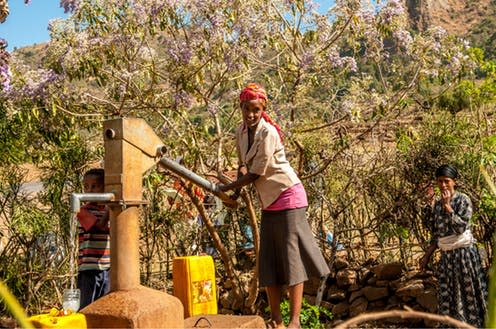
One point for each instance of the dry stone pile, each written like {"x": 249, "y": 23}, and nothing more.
{"x": 352, "y": 290}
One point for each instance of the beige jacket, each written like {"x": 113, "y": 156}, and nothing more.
{"x": 266, "y": 158}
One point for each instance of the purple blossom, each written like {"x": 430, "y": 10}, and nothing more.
{"x": 35, "y": 85}
{"x": 212, "y": 108}
{"x": 5, "y": 77}
{"x": 69, "y": 6}
{"x": 404, "y": 38}
{"x": 367, "y": 16}
{"x": 347, "y": 106}
{"x": 458, "y": 61}
{"x": 392, "y": 10}
{"x": 183, "y": 99}
{"x": 350, "y": 63}
{"x": 455, "y": 65}
{"x": 307, "y": 59}
{"x": 438, "y": 33}
{"x": 433, "y": 73}
{"x": 180, "y": 52}
{"x": 230, "y": 62}
{"x": 374, "y": 44}
{"x": 151, "y": 10}
{"x": 339, "y": 62}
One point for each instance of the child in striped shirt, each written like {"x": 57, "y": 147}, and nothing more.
{"x": 94, "y": 242}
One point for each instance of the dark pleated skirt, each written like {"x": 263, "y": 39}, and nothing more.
{"x": 288, "y": 251}
{"x": 462, "y": 290}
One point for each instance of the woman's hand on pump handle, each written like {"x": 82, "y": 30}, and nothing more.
{"x": 231, "y": 201}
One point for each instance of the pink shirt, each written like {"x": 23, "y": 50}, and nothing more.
{"x": 292, "y": 198}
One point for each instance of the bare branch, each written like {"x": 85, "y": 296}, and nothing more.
{"x": 408, "y": 314}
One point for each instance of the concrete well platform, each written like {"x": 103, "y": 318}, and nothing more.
{"x": 224, "y": 321}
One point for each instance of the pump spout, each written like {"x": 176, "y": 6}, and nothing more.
{"x": 76, "y": 199}
{"x": 198, "y": 180}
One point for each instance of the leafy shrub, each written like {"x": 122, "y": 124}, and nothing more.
{"x": 311, "y": 316}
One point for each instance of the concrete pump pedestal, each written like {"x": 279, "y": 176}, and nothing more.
{"x": 141, "y": 307}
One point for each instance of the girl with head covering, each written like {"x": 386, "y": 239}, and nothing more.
{"x": 462, "y": 290}
{"x": 289, "y": 254}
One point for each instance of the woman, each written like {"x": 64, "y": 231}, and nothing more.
{"x": 288, "y": 252}
{"x": 462, "y": 291}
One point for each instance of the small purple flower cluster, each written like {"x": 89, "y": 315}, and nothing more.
{"x": 339, "y": 62}
{"x": 392, "y": 10}
{"x": 438, "y": 35}
{"x": 307, "y": 59}
{"x": 367, "y": 16}
{"x": 230, "y": 63}
{"x": 460, "y": 61}
{"x": 403, "y": 38}
{"x": 180, "y": 52}
{"x": 152, "y": 11}
{"x": 183, "y": 99}
{"x": 5, "y": 79}
{"x": 35, "y": 85}
{"x": 4, "y": 67}
{"x": 212, "y": 107}
{"x": 69, "y": 6}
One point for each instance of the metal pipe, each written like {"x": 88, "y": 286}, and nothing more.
{"x": 188, "y": 175}
{"x": 76, "y": 199}
{"x": 198, "y": 180}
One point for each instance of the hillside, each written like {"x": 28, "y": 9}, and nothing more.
{"x": 472, "y": 19}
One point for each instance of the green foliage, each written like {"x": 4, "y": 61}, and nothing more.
{"x": 483, "y": 35}
{"x": 487, "y": 204}
{"x": 311, "y": 316}
{"x": 14, "y": 139}
{"x": 314, "y": 316}
{"x": 388, "y": 230}
{"x": 464, "y": 96}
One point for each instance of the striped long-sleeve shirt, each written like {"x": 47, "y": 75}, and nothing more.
{"x": 94, "y": 242}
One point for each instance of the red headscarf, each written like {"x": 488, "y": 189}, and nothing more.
{"x": 254, "y": 91}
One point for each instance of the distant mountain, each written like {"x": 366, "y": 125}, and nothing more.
{"x": 474, "y": 20}
{"x": 32, "y": 55}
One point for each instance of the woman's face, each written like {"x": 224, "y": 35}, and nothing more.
{"x": 446, "y": 183}
{"x": 252, "y": 113}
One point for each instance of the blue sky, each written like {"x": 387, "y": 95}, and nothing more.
{"x": 27, "y": 24}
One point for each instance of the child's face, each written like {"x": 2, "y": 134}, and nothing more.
{"x": 92, "y": 184}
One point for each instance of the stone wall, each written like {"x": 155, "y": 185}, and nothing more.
{"x": 352, "y": 290}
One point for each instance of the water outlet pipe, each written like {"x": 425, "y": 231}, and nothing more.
{"x": 76, "y": 199}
